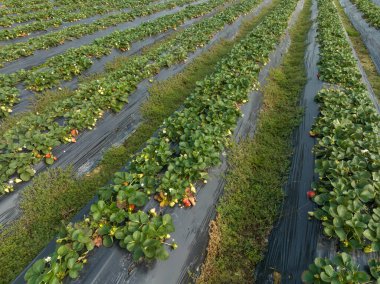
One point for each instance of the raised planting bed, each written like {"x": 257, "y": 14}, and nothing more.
{"x": 347, "y": 157}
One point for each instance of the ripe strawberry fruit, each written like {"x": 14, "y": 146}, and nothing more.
{"x": 310, "y": 194}
{"x": 186, "y": 202}
{"x": 74, "y": 132}
{"x": 131, "y": 207}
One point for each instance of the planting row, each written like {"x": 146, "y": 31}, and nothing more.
{"x": 68, "y": 13}
{"x": 18, "y": 3}
{"x": 36, "y": 12}
{"x": 33, "y": 137}
{"x": 188, "y": 144}
{"x": 11, "y": 9}
{"x": 26, "y": 6}
{"x": 15, "y": 51}
{"x": 348, "y": 143}
{"x": 77, "y": 60}
{"x": 371, "y": 11}
{"x": 347, "y": 158}
{"x": 56, "y": 18}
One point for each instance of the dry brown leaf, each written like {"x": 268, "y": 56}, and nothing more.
{"x": 121, "y": 204}
{"x": 98, "y": 241}
{"x": 193, "y": 201}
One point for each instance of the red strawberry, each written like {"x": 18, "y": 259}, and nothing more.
{"x": 186, "y": 202}
{"x": 48, "y": 155}
{"x": 131, "y": 207}
{"x": 74, "y": 132}
{"x": 310, "y": 194}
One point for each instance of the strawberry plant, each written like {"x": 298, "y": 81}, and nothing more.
{"x": 142, "y": 234}
{"x": 340, "y": 269}
{"x": 8, "y": 97}
{"x": 142, "y": 243}
{"x": 374, "y": 268}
